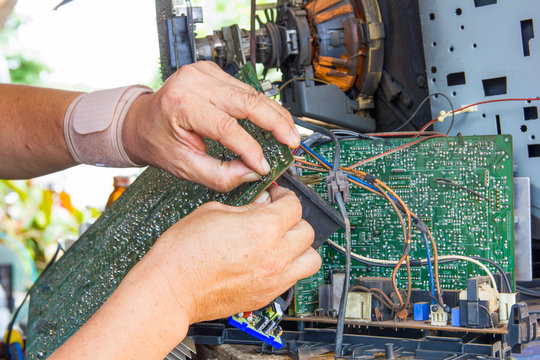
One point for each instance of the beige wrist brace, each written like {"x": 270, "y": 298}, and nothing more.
{"x": 93, "y": 126}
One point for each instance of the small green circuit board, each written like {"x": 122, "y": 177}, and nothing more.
{"x": 76, "y": 286}
{"x": 461, "y": 222}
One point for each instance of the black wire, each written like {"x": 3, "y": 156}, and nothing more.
{"x": 343, "y": 210}
{"x": 325, "y": 131}
{"x": 343, "y": 301}
{"x": 420, "y": 106}
{"x": 528, "y": 292}
{"x": 290, "y": 297}
{"x": 488, "y": 314}
{"x": 12, "y": 322}
{"x": 396, "y": 110}
{"x": 499, "y": 269}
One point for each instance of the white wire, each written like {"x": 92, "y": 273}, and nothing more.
{"x": 424, "y": 261}
{"x": 474, "y": 261}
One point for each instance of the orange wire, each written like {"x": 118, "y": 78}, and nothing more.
{"x": 302, "y": 161}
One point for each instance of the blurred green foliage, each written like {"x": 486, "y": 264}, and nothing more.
{"x": 22, "y": 68}
{"x": 38, "y": 219}
{"x": 220, "y": 13}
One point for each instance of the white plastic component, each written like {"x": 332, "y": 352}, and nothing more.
{"x": 439, "y": 317}
{"x": 444, "y": 114}
{"x": 485, "y": 293}
{"x": 506, "y": 301}
{"x": 358, "y": 306}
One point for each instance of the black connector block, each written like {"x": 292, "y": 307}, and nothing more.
{"x": 324, "y": 219}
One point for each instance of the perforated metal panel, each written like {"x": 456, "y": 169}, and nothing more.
{"x": 478, "y": 50}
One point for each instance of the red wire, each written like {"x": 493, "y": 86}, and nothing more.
{"x": 393, "y": 150}
{"x": 481, "y": 103}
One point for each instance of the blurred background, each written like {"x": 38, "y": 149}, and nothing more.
{"x": 84, "y": 45}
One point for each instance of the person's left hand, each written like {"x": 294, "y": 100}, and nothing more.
{"x": 166, "y": 129}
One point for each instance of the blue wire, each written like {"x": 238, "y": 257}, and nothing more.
{"x": 431, "y": 276}
{"x": 314, "y": 154}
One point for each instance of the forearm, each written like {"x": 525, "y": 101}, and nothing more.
{"x": 32, "y": 138}
{"x": 141, "y": 320}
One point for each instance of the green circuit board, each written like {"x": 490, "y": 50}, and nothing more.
{"x": 461, "y": 222}
{"x": 76, "y": 286}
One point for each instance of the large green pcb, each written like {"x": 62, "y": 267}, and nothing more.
{"x": 461, "y": 222}
{"x": 74, "y": 288}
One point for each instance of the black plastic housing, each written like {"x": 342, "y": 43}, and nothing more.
{"x": 324, "y": 219}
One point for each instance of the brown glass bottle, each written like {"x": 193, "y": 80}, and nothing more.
{"x": 120, "y": 185}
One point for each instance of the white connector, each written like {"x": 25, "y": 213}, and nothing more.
{"x": 358, "y": 306}
{"x": 439, "y": 317}
{"x": 506, "y": 301}
{"x": 444, "y": 114}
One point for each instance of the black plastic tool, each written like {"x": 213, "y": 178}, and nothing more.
{"x": 324, "y": 219}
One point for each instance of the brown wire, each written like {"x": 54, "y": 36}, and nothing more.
{"x": 405, "y": 256}
{"x": 409, "y": 214}
{"x": 378, "y": 294}
{"x": 310, "y": 168}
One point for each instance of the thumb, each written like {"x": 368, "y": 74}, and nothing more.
{"x": 219, "y": 175}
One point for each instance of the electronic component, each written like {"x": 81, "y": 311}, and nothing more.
{"x": 421, "y": 311}
{"x": 455, "y": 317}
{"x": 263, "y": 324}
{"x": 76, "y": 286}
{"x": 359, "y": 306}
{"x": 506, "y": 301}
{"x": 330, "y": 53}
{"x": 438, "y": 316}
{"x": 478, "y": 304}
{"x": 383, "y": 287}
{"x": 461, "y": 222}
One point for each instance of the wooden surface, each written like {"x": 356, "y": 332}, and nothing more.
{"x": 235, "y": 352}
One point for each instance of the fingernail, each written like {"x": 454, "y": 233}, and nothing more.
{"x": 265, "y": 165}
{"x": 295, "y": 136}
{"x": 262, "y": 198}
{"x": 250, "y": 177}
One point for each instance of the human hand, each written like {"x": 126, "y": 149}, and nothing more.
{"x": 221, "y": 260}
{"x": 166, "y": 129}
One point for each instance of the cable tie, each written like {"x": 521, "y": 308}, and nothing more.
{"x": 370, "y": 179}
{"x": 416, "y": 262}
{"x": 421, "y": 226}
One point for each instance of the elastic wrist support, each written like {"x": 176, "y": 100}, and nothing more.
{"x": 93, "y": 126}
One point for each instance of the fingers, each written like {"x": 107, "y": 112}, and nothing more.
{"x": 305, "y": 265}
{"x": 220, "y": 126}
{"x": 258, "y": 108}
{"x": 242, "y": 101}
{"x": 222, "y": 176}
{"x": 286, "y": 206}
{"x": 298, "y": 239}
{"x": 214, "y": 70}
{"x": 263, "y": 198}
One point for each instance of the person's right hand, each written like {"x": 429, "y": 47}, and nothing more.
{"x": 218, "y": 261}
{"x": 167, "y": 129}
{"x": 221, "y": 260}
